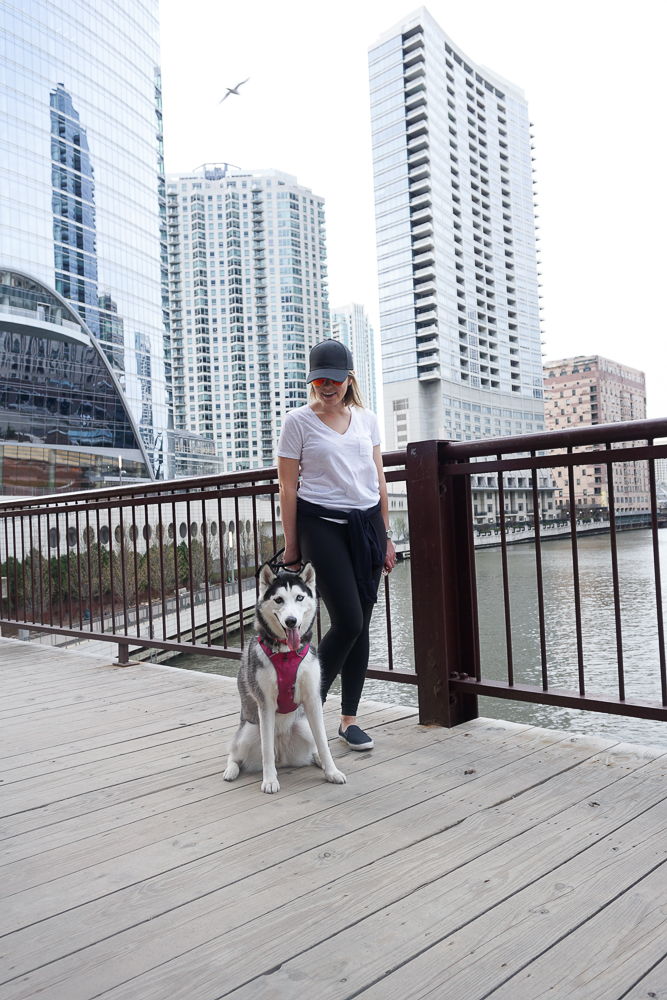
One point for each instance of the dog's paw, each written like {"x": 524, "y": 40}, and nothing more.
{"x": 335, "y": 776}
{"x": 271, "y": 786}
{"x": 231, "y": 771}
{"x": 316, "y": 759}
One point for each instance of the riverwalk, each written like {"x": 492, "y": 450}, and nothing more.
{"x": 491, "y": 860}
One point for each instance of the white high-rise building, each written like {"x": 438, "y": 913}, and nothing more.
{"x": 455, "y": 223}
{"x": 248, "y": 297}
{"x": 350, "y": 325}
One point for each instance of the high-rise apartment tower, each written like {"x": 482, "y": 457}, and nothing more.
{"x": 351, "y": 326}
{"x": 459, "y": 317}
{"x": 249, "y": 297}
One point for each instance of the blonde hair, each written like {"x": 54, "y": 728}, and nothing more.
{"x": 352, "y": 397}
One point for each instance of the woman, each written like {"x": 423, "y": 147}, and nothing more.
{"x": 339, "y": 520}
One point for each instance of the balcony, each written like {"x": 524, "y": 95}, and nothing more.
{"x": 422, "y": 244}
{"x": 424, "y": 257}
{"x": 418, "y": 158}
{"x": 424, "y": 214}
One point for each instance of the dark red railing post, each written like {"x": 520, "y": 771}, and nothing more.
{"x": 444, "y": 604}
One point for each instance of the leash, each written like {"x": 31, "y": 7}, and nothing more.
{"x": 277, "y": 565}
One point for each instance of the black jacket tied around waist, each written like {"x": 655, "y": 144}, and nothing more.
{"x": 365, "y": 546}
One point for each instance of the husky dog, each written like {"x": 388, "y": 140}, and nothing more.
{"x": 279, "y": 684}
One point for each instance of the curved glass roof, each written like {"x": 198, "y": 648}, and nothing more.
{"x": 56, "y": 387}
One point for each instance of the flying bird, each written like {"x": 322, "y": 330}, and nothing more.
{"x": 234, "y": 90}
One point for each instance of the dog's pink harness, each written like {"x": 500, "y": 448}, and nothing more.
{"x": 286, "y": 666}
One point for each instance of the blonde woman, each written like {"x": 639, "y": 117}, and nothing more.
{"x": 337, "y": 518}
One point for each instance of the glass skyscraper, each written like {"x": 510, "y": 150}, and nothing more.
{"x": 459, "y": 310}
{"x": 82, "y": 196}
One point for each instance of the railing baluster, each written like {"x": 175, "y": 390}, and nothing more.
{"x": 25, "y": 606}
{"x": 223, "y": 572}
{"x": 540, "y": 584}
{"x": 69, "y": 569}
{"x": 506, "y": 579}
{"x": 49, "y": 568}
{"x": 575, "y": 577}
{"x": 387, "y": 611}
{"x": 614, "y": 577}
{"x": 121, "y": 532}
{"x": 162, "y": 584}
{"x": 134, "y": 537}
{"x": 78, "y": 567}
{"x": 273, "y": 521}
{"x": 238, "y": 569}
{"x": 16, "y": 574}
{"x": 41, "y": 568}
{"x": 204, "y": 529}
{"x": 193, "y": 638}
{"x": 111, "y": 572}
{"x": 90, "y": 571}
{"x": 100, "y": 582}
{"x": 60, "y": 574}
{"x": 255, "y": 541}
{"x": 176, "y": 577}
{"x": 149, "y": 581}
{"x": 658, "y": 582}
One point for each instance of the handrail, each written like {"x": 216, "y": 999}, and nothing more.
{"x": 575, "y": 437}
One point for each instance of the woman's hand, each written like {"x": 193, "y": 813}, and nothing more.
{"x": 390, "y": 558}
{"x": 291, "y": 558}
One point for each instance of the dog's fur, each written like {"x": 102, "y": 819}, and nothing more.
{"x": 266, "y": 739}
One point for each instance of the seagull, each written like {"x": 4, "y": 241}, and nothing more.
{"x": 234, "y": 90}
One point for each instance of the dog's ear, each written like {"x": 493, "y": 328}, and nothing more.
{"x": 266, "y": 578}
{"x": 307, "y": 574}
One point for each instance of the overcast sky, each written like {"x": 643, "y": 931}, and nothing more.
{"x": 591, "y": 72}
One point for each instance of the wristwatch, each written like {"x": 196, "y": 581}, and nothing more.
{"x": 390, "y": 533}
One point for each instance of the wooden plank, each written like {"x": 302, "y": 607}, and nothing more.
{"x": 608, "y": 953}
{"x": 385, "y": 768}
{"x": 117, "y": 806}
{"x": 221, "y": 913}
{"x": 652, "y": 984}
{"x": 386, "y": 776}
{"x": 360, "y": 953}
{"x": 460, "y": 957}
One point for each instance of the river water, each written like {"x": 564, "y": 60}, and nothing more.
{"x": 640, "y": 636}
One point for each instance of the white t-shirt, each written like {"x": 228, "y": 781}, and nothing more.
{"x": 337, "y": 470}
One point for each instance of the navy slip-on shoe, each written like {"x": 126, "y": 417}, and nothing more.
{"x": 356, "y": 738}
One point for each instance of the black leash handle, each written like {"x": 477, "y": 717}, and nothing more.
{"x": 277, "y": 564}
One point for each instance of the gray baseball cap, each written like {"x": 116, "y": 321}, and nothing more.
{"x": 330, "y": 359}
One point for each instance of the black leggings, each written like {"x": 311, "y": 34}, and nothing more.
{"x": 344, "y": 649}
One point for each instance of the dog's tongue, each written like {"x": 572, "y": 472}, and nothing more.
{"x": 293, "y": 638}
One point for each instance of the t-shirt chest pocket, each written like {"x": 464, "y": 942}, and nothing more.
{"x": 365, "y": 447}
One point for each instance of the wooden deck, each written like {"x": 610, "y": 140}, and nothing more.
{"x": 495, "y": 860}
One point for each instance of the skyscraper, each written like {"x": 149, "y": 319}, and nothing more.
{"x": 587, "y": 390}
{"x": 350, "y": 325}
{"x": 248, "y": 298}
{"x": 455, "y": 227}
{"x": 82, "y": 181}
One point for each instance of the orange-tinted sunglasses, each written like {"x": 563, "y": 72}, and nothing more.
{"x": 320, "y": 381}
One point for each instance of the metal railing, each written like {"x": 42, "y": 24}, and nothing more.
{"x": 444, "y": 587}
{"x": 170, "y": 566}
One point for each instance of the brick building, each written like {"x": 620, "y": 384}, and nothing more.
{"x": 589, "y": 389}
